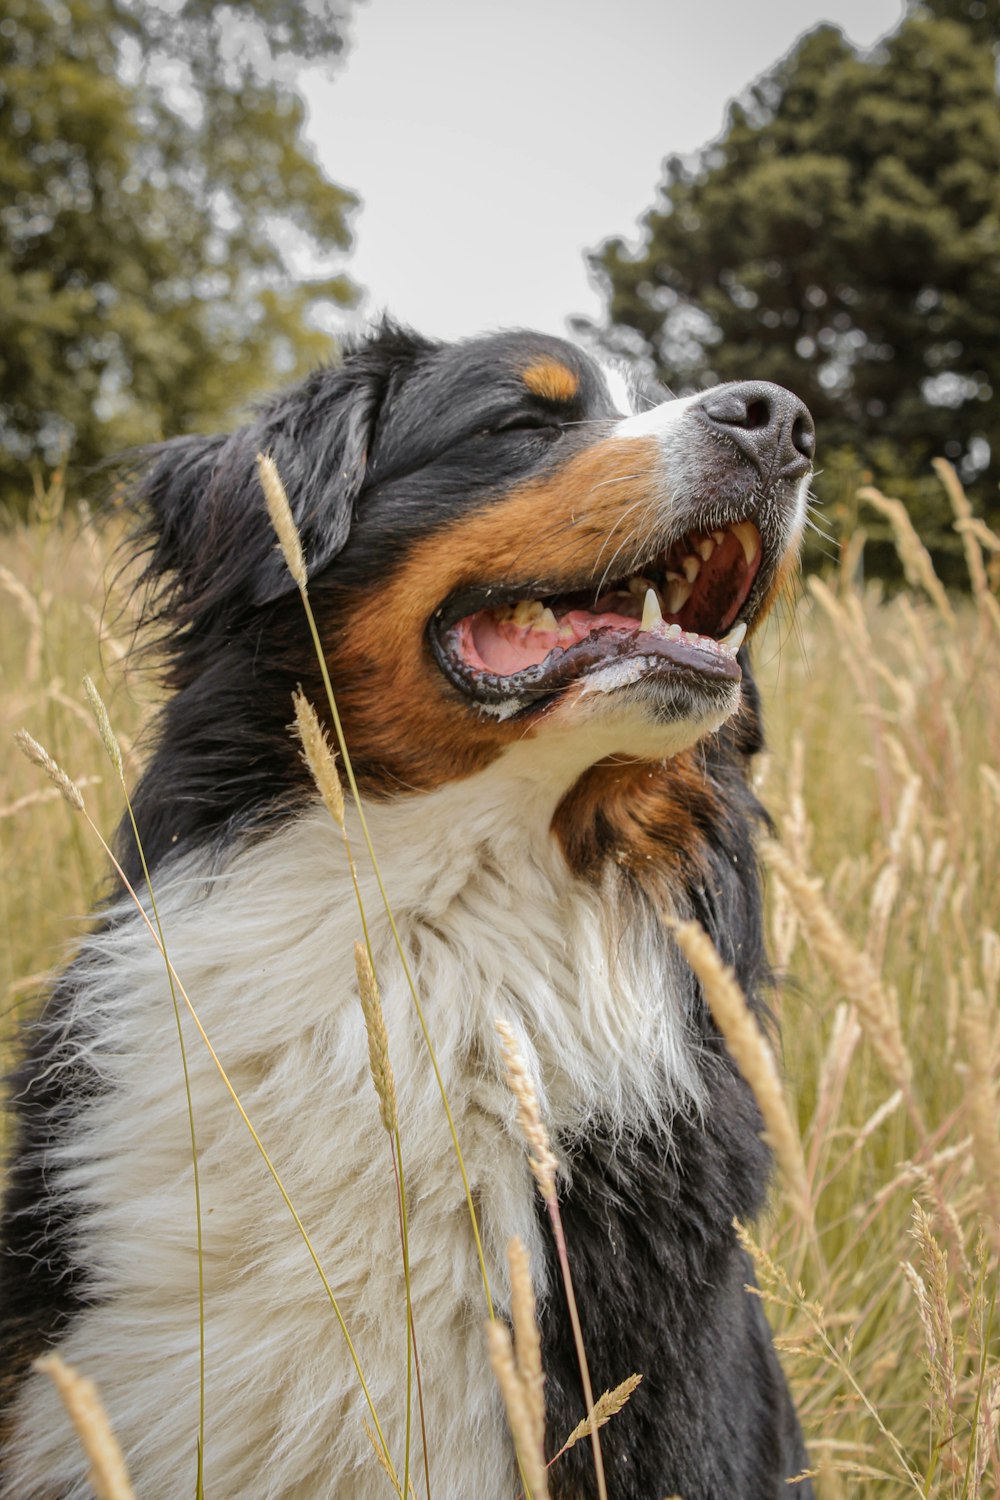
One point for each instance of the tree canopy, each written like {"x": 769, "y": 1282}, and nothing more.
{"x": 152, "y": 177}
{"x": 842, "y": 237}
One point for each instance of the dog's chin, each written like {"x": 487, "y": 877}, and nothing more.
{"x": 651, "y": 718}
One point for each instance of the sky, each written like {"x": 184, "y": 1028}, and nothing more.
{"x": 492, "y": 142}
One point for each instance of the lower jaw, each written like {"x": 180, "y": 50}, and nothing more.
{"x": 645, "y": 724}
{"x": 688, "y": 666}
{"x": 624, "y": 692}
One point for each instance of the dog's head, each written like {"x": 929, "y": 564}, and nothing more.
{"x": 504, "y": 543}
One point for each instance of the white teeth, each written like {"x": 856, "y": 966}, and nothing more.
{"x": 638, "y": 585}
{"x": 673, "y": 633}
{"x": 678, "y": 595}
{"x": 526, "y": 612}
{"x": 734, "y": 640}
{"x": 651, "y": 616}
{"x": 748, "y": 538}
{"x": 718, "y": 536}
{"x": 531, "y": 614}
{"x": 705, "y": 549}
{"x": 692, "y": 567}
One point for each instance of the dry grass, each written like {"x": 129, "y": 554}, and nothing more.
{"x": 884, "y": 779}
{"x": 517, "y": 1365}
{"x": 62, "y": 614}
{"x": 884, "y": 914}
{"x": 108, "y": 1475}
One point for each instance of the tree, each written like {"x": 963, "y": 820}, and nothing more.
{"x": 150, "y": 162}
{"x": 982, "y": 17}
{"x": 842, "y": 237}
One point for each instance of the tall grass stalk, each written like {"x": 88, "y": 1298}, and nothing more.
{"x": 544, "y": 1167}
{"x": 114, "y": 752}
{"x": 322, "y": 766}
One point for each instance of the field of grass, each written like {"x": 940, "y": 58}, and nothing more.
{"x": 883, "y": 777}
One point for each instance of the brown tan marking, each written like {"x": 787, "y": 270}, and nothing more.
{"x": 644, "y": 817}
{"x": 551, "y": 380}
{"x": 406, "y": 726}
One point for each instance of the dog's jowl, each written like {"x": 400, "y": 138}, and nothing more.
{"x": 536, "y": 587}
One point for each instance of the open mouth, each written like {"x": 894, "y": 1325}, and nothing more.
{"x": 678, "y": 613}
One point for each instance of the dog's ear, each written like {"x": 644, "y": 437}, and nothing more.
{"x": 320, "y": 441}
{"x": 205, "y": 532}
{"x": 170, "y": 485}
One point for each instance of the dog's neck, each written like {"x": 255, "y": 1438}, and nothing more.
{"x": 484, "y": 892}
{"x": 518, "y": 807}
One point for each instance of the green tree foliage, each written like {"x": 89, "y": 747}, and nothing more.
{"x": 982, "y": 17}
{"x": 842, "y": 237}
{"x": 151, "y": 161}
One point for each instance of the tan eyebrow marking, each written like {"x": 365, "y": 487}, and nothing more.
{"x": 551, "y": 380}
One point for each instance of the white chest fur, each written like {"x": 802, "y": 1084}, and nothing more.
{"x": 495, "y": 926}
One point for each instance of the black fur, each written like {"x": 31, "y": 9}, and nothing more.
{"x": 659, "y": 1276}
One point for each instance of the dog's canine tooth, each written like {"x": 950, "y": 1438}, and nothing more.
{"x": 678, "y": 595}
{"x": 651, "y": 612}
{"x": 732, "y": 641}
{"x": 749, "y": 539}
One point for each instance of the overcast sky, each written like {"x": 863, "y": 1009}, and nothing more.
{"x": 492, "y": 141}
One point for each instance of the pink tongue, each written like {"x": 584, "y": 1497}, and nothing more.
{"x": 503, "y": 648}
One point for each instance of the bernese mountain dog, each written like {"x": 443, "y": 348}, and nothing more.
{"x": 535, "y": 581}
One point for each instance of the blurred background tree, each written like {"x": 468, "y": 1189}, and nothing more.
{"x": 842, "y": 237}
{"x": 153, "y": 186}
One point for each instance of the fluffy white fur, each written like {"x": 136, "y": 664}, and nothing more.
{"x": 495, "y": 926}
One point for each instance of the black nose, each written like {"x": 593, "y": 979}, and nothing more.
{"x": 770, "y": 426}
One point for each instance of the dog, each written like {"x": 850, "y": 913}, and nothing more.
{"x": 535, "y": 580}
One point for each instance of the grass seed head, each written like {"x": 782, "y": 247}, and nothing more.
{"x": 983, "y": 1103}
{"x": 541, "y": 1156}
{"x": 108, "y": 1474}
{"x": 282, "y": 519}
{"x": 930, "y": 1287}
{"x": 378, "y": 1039}
{"x": 379, "y": 1454}
{"x": 607, "y": 1405}
{"x": 527, "y": 1339}
{"x": 850, "y": 966}
{"x": 32, "y": 749}
{"x": 914, "y": 556}
{"x": 319, "y": 758}
{"x": 108, "y": 737}
{"x": 515, "y": 1399}
{"x": 749, "y": 1049}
